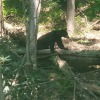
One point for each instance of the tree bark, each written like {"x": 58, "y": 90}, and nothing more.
{"x": 34, "y": 16}
{"x": 94, "y": 88}
{"x": 96, "y": 27}
{"x": 65, "y": 68}
{"x": 70, "y": 16}
{"x": 0, "y": 17}
{"x": 85, "y": 58}
{"x": 1, "y": 85}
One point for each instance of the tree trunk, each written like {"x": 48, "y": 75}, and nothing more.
{"x": 34, "y": 15}
{"x": 96, "y": 27}
{"x": 76, "y": 58}
{"x": 85, "y": 57}
{"x": 0, "y": 17}
{"x": 65, "y": 68}
{"x": 70, "y": 16}
{"x": 94, "y": 88}
{"x": 1, "y": 86}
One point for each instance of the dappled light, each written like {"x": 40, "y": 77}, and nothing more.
{"x": 40, "y": 59}
{"x": 84, "y": 42}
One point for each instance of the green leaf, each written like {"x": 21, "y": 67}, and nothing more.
{"x": 4, "y": 59}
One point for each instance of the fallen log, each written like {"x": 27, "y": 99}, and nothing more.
{"x": 84, "y": 57}
{"x": 96, "y": 27}
{"x": 94, "y": 88}
{"x": 65, "y": 68}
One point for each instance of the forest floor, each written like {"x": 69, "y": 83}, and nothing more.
{"x": 88, "y": 41}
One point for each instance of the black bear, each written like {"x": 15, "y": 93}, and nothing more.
{"x": 48, "y": 40}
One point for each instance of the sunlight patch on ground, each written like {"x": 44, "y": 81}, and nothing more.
{"x": 92, "y": 35}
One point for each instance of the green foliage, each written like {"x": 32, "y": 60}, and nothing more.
{"x": 12, "y": 7}
{"x": 51, "y": 14}
{"x": 4, "y": 59}
{"x": 62, "y": 3}
{"x": 42, "y": 83}
{"x": 52, "y": 11}
{"x": 45, "y": 84}
{"x": 93, "y": 10}
{"x": 83, "y": 41}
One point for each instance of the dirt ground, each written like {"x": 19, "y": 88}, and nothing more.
{"x": 88, "y": 41}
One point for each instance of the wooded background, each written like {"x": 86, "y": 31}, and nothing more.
{"x": 30, "y": 74}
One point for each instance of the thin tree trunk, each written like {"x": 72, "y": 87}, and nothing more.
{"x": 70, "y": 16}
{"x": 1, "y": 86}
{"x": 34, "y": 16}
{"x": 0, "y": 17}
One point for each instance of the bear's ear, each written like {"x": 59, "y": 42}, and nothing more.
{"x": 65, "y": 34}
